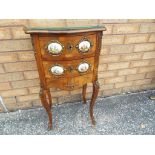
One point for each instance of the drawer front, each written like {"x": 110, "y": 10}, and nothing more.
{"x": 69, "y": 46}
{"x": 70, "y": 83}
{"x": 71, "y": 68}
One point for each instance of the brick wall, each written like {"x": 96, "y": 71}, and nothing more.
{"x": 127, "y": 61}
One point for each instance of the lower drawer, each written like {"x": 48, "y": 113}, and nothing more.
{"x": 70, "y": 83}
{"x": 70, "y": 68}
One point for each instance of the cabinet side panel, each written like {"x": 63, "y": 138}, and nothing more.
{"x": 36, "y": 45}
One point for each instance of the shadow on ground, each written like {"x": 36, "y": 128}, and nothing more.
{"x": 116, "y": 115}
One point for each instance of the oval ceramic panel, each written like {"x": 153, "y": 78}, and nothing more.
{"x": 83, "y": 67}
{"x": 84, "y": 46}
{"x": 57, "y": 70}
{"x": 55, "y": 48}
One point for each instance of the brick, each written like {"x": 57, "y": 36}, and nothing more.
{"x": 1, "y": 69}
{"x": 142, "y": 82}
{"x": 144, "y": 47}
{"x": 25, "y": 83}
{"x": 119, "y": 65}
{"x": 133, "y": 56}
{"x": 123, "y": 84}
{"x": 109, "y": 58}
{"x": 15, "y": 45}
{"x": 89, "y": 95}
{"x": 31, "y": 75}
{"x": 116, "y": 49}
{"x": 26, "y": 56}
{"x": 150, "y": 75}
{"x": 5, "y": 33}
{"x": 105, "y": 50}
{"x": 149, "y": 55}
{"x": 47, "y": 22}
{"x": 102, "y": 67}
{"x": 135, "y": 77}
{"x": 127, "y": 71}
{"x": 152, "y": 80}
{"x": 107, "y": 87}
{"x": 8, "y": 57}
{"x": 136, "y": 38}
{"x": 89, "y": 90}
{"x": 5, "y": 86}
{"x": 1, "y": 109}
{"x": 20, "y": 66}
{"x": 101, "y": 81}
{"x": 114, "y": 79}
{"x": 34, "y": 90}
{"x": 112, "y": 92}
{"x": 14, "y": 92}
{"x": 69, "y": 98}
{"x": 13, "y": 22}
{"x": 125, "y": 28}
{"x": 81, "y": 22}
{"x": 18, "y": 33}
{"x": 147, "y": 27}
{"x": 132, "y": 88}
{"x": 24, "y": 105}
{"x": 152, "y": 62}
{"x": 152, "y": 38}
{"x": 59, "y": 93}
{"x": 148, "y": 86}
{"x": 140, "y": 63}
{"x": 113, "y": 21}
{"x": 112, "y": 39}
{"x": 10, "y": 103}
{"x": 147, "y": 69}
{"x": 109, "y": 28}
{"x": 106, "y": 74}
{"x": 9, "y": 100}
{"x": 37, "y": 103}
{"x": 78, "y": 91}
{"x": 141, "y": 20}
{"x": 27, "y": 98}
{"x": 11, "y": 77}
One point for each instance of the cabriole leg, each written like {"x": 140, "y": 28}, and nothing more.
{"x": 46, "y": 105}
{"x": 84, "y": 93}
{"x": 49, "y": 98}
{"x": 94, "y": 96}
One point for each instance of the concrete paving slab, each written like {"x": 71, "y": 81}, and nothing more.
{"x": 116, "y": 115}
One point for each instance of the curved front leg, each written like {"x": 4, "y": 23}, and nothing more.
{"x": 84, "y": 92}
{"x": 49, "y": 98}
{"x": 46, "y": 105}
{"x": 94, "y": 96}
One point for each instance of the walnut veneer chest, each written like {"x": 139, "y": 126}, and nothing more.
{"x": 67, "y": 58}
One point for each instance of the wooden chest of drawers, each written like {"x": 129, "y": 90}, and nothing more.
{"x": 67, "y": 58}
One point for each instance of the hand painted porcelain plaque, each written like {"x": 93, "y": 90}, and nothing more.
{"x": 57, "y": 70}
{"x": 83, "y": 67}
{"x": 55, "y": 48}
{"x": 84, "y": 46}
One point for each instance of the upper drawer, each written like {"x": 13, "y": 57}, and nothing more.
{"x": 67, "y": 47}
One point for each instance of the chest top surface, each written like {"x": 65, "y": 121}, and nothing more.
{"x": 64, "y": 30}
